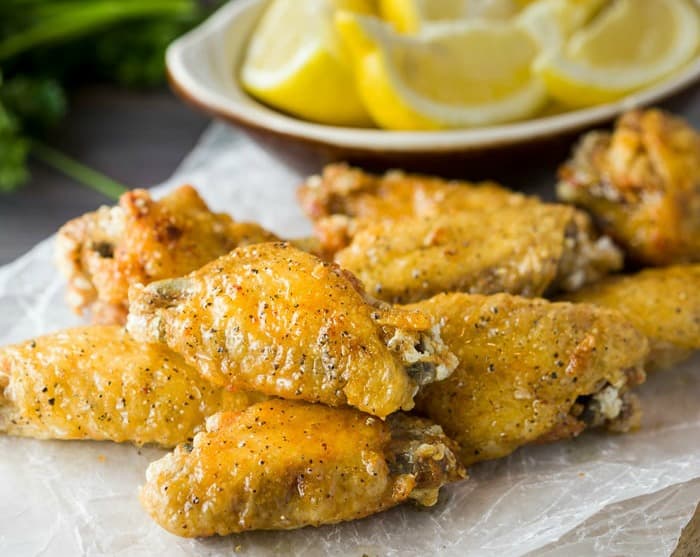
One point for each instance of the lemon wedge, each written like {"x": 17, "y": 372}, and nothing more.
{"x": 552, "y": 22}
{"x": 408, "y": 16}
{"x": 630, "y": 45}
{"x": 471, "y": 73}
{"x": 296, "y": 62}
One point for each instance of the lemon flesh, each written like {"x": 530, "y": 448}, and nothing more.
{"x": 409, "y": 16}
{"x": 296, "y": 62}
{"x": 463, "y": 74}
{"x": 552, "y": 22}
{"x": 630, "y": 45}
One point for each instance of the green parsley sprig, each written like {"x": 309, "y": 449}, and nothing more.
{"x": 47, "y": 47}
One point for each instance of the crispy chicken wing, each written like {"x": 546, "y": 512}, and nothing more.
{"x": 529, "y": 252}
{"x": 408, "y": 237}
{"x": 642, "y": 183}
{"x": 343, "y": 190}
{"x": 342, "y": 199}
{"x": 664, "y": 305}
{"x": 142, "y": 240}
{"x": 285, "y": 464}
{"x": 531, "y": 370}
{"x": 98, "y": 383}
{"x": 274, "y": 319}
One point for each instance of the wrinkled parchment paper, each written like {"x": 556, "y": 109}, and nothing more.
{"x": 599, "y": 494}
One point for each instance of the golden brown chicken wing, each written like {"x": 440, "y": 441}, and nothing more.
{"x": 344, "y": 198}
{"x": 531, "y": 370}
{"x": 529, "y": 252}
{"x": 642, "y": 184}
{"x": 274, "y": 319}
{"x": 663, "y": 304}
{"x": 139, "y": 241}
{"x": 98, "y": 383}
{"x": 284, "y": 464}
{"x": 343, "y": 190}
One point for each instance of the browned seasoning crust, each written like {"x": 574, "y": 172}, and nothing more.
{"x": 139, "y": 241}
{"x": 642, "y": 184}
{"x": 277, "y": 320}
{"x": 531, "y": 370}
{"x": 288, "y": 464}
{"x": 97, "y": 383}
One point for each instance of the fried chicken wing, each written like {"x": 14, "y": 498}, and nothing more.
{"x": 343, "y": 190}
{"x": 528, "y": 252}
{"x": 409, "y": 237}
{"x": 284, "y": 464}
{"x": 97, "y": 383}
{"x": 274, "y": 319}
{"x": 531, "y": 370}
{"x": 342, "y": 199}
{"x": 663, "y": 304}
{"x": 642, "y": 183}
{"x": 142, "y": 240}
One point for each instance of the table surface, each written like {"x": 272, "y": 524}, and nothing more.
{"x": 139, "y": 139}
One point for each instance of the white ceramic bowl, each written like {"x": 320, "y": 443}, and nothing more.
{"x": 203, "y": 67}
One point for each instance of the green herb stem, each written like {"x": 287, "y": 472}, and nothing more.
{"x": 78, "y": 19}
{"x": 79, "y": 172}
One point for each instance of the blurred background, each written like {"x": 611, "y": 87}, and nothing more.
{"x": 88, "y": 78}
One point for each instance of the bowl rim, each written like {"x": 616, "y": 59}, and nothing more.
{"x": 261, "y": 118}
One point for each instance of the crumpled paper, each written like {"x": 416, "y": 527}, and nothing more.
{"x": 598, "y": 494}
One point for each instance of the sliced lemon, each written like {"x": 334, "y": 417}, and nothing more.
{"x": 551, "y": 22}
{"x": 630, "y": 45}
{"x": 408, "y": 16}
{"x": 471, "y": 73}
{"x": 296, "y": 62}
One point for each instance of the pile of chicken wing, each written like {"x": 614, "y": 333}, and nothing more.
{"x": 427, "y": 326}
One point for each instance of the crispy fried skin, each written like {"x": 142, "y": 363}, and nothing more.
{"x": 97, "y": 383}
{"x": 521, "y": 251}
{"x": 274, "y": 319}
{"x": 287, "y": 464}
{"x": 664, "y": 305}
{"x": 531, "y": 370}
{"x": 642, "y": 183}
{"x": 139, "y": 241}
